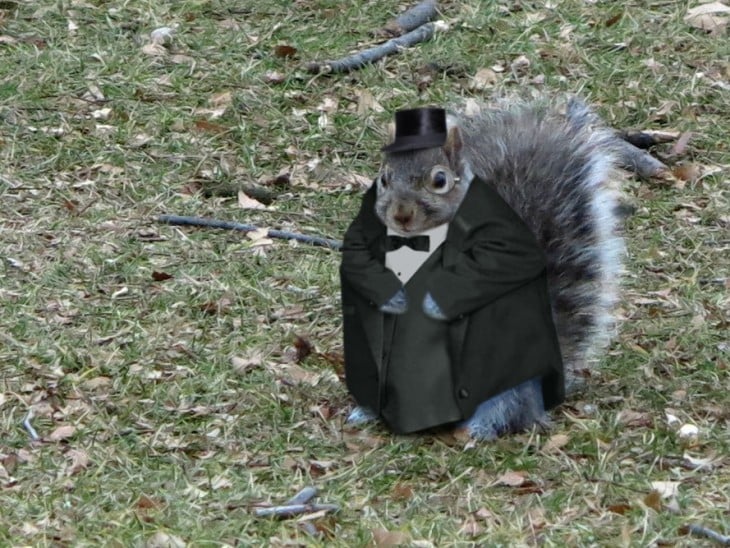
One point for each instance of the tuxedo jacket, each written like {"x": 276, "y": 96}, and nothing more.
{"x": 489, "y": 280}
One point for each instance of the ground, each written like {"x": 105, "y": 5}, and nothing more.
{"x": 180, "y": 377}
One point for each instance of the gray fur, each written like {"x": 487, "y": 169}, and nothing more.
{"x": 555, "y": 164}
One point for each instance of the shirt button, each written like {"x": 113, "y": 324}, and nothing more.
{"x": 463, "y": 393}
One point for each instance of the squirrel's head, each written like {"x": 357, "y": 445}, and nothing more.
{"x": 421, "y": 189}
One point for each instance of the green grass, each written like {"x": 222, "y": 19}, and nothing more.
{"x": 169, "y": 439}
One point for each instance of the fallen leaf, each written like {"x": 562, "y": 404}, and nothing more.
{"x": 681, "y": 145}
{"x": 146, "y": 503}
{"x": 303, "y": 347}
{"x": 160, "y": 276}
{"x": 79, "y": 461}
{"x": 627, "y": 417}
{"x": 366, "y": 102}
{"x": 243, "y": 365}
{"x": 164, "y": 540}
{"x": 512, "y": 478}
{"x": 402, "y": 492}
{"x": 483, "y": 79}
{"x": 555, "y": 442}
{"x": 707, "y": 17}
{"x": 97, "y": 382}
{"x": 620, "y": 508}
{"x": 8, "y": 40}
{"x": 210, "y": 127}
{"x": 62, "y": 433}
{"x": 285, "y": 51}
{"x": 246, "y": 202}
{"x": 686, "y": 172}
{"x": 653, "y": 500}
{"x": 298, "y": 375}
{"x": 154, "y": 50}
{"x": 471, "y": 528}
{"x": 382, "y": 538}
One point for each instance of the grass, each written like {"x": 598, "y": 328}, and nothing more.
{"x": 173, "y": 439}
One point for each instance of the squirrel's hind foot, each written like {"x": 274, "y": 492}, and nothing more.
{"x": 511, "y": 411}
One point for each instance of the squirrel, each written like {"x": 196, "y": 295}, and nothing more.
{"x": 556, "y": 164}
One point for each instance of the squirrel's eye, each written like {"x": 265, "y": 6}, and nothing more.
{"x": 384, "y": 178}
{"x": 442, "y": 181}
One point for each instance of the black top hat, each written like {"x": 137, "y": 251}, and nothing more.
{"x": 418, "y": 128}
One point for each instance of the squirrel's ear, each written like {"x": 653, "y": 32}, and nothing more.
{"x": 453, "y": 143}
{"x": 391, "y": 132}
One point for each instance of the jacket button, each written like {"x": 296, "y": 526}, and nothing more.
{"x": 463, "y": 393}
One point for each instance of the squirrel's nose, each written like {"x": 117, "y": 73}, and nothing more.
{"x": 403, "y": 215}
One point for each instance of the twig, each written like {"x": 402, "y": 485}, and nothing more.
{"x": 230, "y": 225}
{"x": 29, "y": 427}
{"x": 702, "y": 531}
{"x": 412, "y": 18}
{"x": 303, "y": 496}
{"x": 360, "y": 59}
{"x": 289, "y": 510}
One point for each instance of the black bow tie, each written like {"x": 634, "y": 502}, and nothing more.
{"x": 417, "y": 243}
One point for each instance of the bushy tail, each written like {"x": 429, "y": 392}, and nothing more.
{"x": 556, "y": 166}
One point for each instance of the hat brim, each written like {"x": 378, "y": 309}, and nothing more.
{"x": 415, "y": 142}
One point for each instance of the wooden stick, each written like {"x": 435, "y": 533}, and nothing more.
{"x": 702, "y": 531}
{"x": 182, "y": 220}
{"x": 412, "y": 18}
{"x": 360, "y": 59}
{"x": 287, "y": 511}
{"x": 303, "y": 496}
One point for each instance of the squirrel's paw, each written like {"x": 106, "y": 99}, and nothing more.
{"x": 511, "y": 411}
{"x": 361, "y": 415}
{"x": 397, "y": 304}
{"x": 432, "y": 309}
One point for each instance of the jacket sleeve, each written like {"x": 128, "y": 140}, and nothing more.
{"x": 360, "y": 266}
{"x": 497, "y": 257}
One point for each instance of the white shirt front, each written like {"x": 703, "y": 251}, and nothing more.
{"x": 404, "y": 261}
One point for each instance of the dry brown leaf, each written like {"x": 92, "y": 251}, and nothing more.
{"x": 402, "y": 492}
{"x": 154, "y": 50}
{"x": 382, "y": 538}
{"x": 512, "y": 478}
{"x": 686, "y": 172}
{"x": 653, "y": 500}
{"x": 160, "y": 276}
{"x": 298, "y": 375}
{"x": 79, "y": 461}
{"x": 366, "y": 102}
{"x": 628, "y": 417}
{"x": 62, "y": 433}
{"x": 303, "y": 347}
{"x": 246, "y": 202}
{"x": 708, "y": 17}
{"x": 243, "y": 365}
{"x": 681, "y": 145}
{"x": 620, "y": 508}
{"x": 146, "y": 503}
{"x": 483, "y": 79}
{"x": 555, "y": 442}
{"x": 164, "y": 540}
{"x": 470, "y": 527}
{"x": 285, "y": 51}
{"x": 97, "y": 382}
